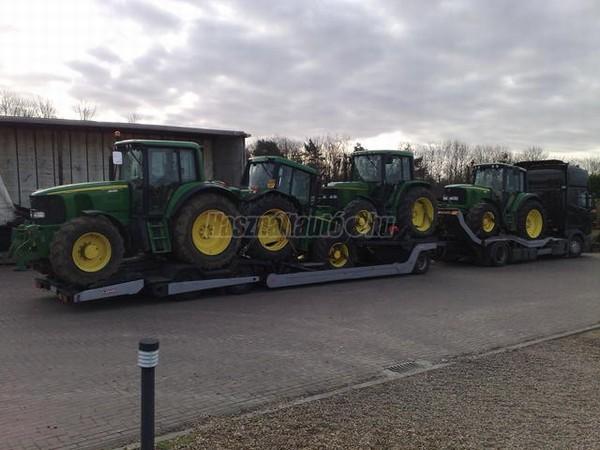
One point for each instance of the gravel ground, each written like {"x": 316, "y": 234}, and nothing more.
{"x": 546, "y": 395}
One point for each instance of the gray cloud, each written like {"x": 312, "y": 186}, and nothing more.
{"x": 509, "y": 72}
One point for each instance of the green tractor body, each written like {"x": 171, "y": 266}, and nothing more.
{"x": 382, "y": 185}
{"x": 157, "y": 203}
{"x": 497, "y": 202}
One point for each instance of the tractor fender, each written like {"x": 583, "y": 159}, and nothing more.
{"x": 521, "y": 199}
{"x": 123, "y": 230}
{"x": 180, "y": 198}
{"x": 288, "y": 197}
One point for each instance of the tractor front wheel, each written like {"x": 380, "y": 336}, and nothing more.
{"x": 531, "y": 220}
{"x": 484, "y": 220}
{"x": 334, "y": 253}
{"x": 204, "y": 232}
{"x": 360, "y": 218}
{"x": 417, "y": 212}
{"x": 86, "y": 250}
{"x": 270, "y": 229}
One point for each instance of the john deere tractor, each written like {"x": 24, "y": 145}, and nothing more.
{"x": 158, "y": 202}
{"x": 497, "y": 202}
{"x": 382, "y": 184}
{"x": 283, "y": 222}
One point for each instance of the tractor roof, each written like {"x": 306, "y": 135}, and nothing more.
{"x": 498, "y": 166}
{"x": 160, "y": 143}
{"x": 284, "y": 161}
{"x": 383, "y": 152}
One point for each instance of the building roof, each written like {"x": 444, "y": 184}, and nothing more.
{"x": 114, "y": 126}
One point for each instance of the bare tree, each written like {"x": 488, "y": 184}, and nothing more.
{"x": 14, "y": 104}
{"x": 85, "y": 110}
{"x": 533, "y": 153}
{"x": 133, "y": 117}
{"x": 45, "y": 108}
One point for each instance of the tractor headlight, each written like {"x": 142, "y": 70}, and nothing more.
{"x": 37, "y": 214}
{"x": 333, "y": 197}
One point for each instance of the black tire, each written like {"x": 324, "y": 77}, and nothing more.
{"x": 280, "y": 249}
{"x": 183, "y": 240}
{"x": 498, "y": 254}
{"x": 575, "y": 246}
{"x": 323, "y": 251}
{"x": 62, "y": 249}
{"x": 406, "y": 217}
{"x": 360, "y": 218}
{"x": 522, "y": 214}
{"x": 422, "y": 263}
{"x": 476, "y": 220}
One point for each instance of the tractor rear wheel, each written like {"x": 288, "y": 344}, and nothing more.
{"x": 531, "y": 220}
{"x": 204, "y": 232}
{"x": 417, "y": 212}
{"x": 335, "y": 253}
{"x": 484, "y": 220}
{"x": 360, "y": 218}
{"x": 270, "y": 228}
{"x": 86, "y": 250}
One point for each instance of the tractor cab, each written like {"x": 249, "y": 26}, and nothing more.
{"x": 375, "y": 174}
{"x": 154, "y": 170}
{"x": 502, "y": 179}
{"x": 275, "y": 173}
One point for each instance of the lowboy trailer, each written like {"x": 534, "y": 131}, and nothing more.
{"x": 164, "y": 279}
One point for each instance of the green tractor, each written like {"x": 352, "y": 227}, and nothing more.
{"x": 497, "y": 202}
{"x": 158, "y": 202}
{"x": 283, "y": 222}
{"x": 382, "y": 184}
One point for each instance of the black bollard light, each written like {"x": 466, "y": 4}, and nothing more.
{"x": 147, "y": 360}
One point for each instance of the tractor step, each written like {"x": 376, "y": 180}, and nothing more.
{"x": 159, "y": 236}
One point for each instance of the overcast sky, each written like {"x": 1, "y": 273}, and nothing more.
{"x": 516, "y": 73}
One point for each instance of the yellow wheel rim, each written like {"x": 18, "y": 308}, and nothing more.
{"x": 363, "y": 221}
{"x": 274, "y": 229}
{"x": 339, "y": 255}
{"x": 488, "y": 222}
{"x": 91, "y": 252}
{"x": 422, "y": 214}
{"x": 212, "y": 232}
{"x": 534, "y": 222}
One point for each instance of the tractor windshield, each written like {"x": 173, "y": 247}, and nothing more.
{"x": 367, "y": 168}
{"x": 132, "y": 168}
{"x": 261, "y": 176}
{"x": 491, "y": 177}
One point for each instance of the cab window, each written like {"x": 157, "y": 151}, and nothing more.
{"x": 301, "y": 186}
{"x": 187, "y": 166}
{"x": 397, "y": 169}
{"x": 163, "y": 168}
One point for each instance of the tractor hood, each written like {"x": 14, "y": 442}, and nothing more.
{"x": 464, "y": 195}
{"x": 338, "y": 194}
{"x": 66, "y": 189}
{"x": 56, "y": 205}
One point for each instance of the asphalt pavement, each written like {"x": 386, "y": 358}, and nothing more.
{"x": 69, "y": 375}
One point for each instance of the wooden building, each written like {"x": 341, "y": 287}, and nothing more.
{"x": 40, "y": 153}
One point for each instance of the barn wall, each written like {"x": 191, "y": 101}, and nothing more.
{"x": 36, "y": 157}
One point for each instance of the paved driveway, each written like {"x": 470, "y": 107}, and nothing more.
{"x": 69, "y": 377}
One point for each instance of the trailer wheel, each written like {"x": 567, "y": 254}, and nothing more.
{"x": 86, "y": 250}
{"x": 422, "y": 263}
{"x": 271, "y": 228}
{"x": 335, "y": 253}
{"x": 417, "y": 212}
{"x": 575, "y": 246}
{"x": 531, "y": 220}
{"x": 204, "y": 232}
{"x": 498, "y": 254}
{"x": 484, "y": 220}
{"x": 360, "y": 218}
